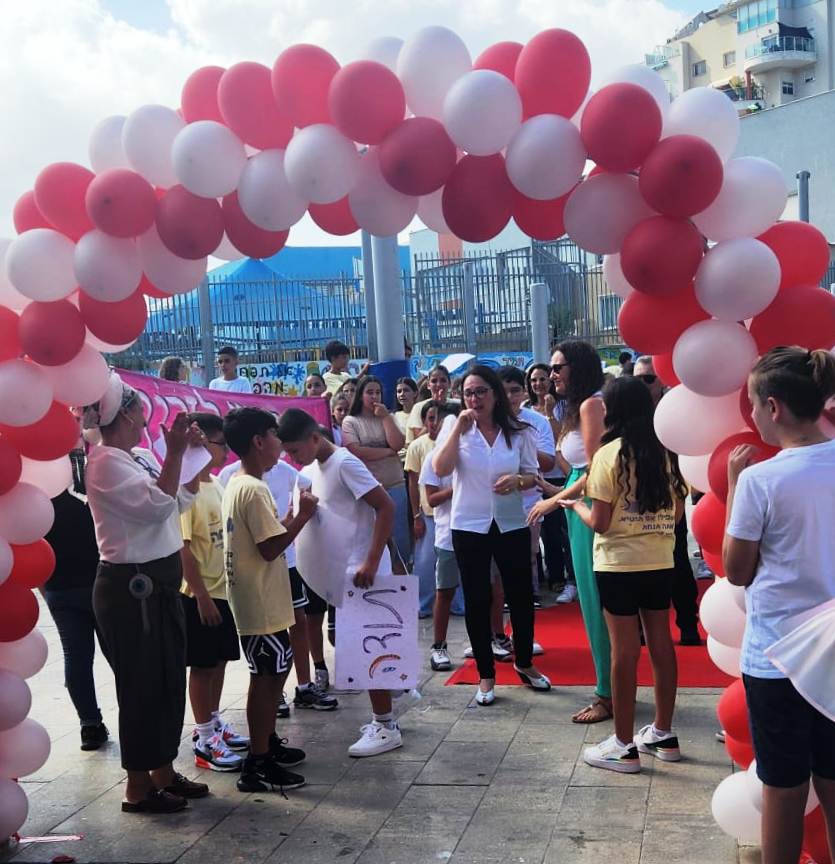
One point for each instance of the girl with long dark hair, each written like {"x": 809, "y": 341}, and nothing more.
{"x": 636, "y": 493}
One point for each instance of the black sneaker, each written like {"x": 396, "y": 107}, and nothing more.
{"x": 313, "y": 697}
{"x": 690, "y": 636}
{"x": 260, "y": 772}
{"x": 537, "y": 601}
{"x": 287, "y": 757}
{"x": 283, "y": 710}
{"x": 92, "y": 737}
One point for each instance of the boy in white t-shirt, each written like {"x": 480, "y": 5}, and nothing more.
{"x": 343, "y": 484}
{"x": 227, "y": 362}
{"x": 780, "y": 545}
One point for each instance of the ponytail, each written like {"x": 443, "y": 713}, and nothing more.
{"x": 802, "y": 380}
{"x": 823, "y": 372}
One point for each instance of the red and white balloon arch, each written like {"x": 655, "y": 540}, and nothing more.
{"x": 691, "y": 238}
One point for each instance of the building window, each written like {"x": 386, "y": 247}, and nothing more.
{"x": 756, "y": 14}
{"x": 729, "y": 59}
{"x": 700, "y": 68}
{"x": 788, "y": 88}
{"x": 608, "y": 306}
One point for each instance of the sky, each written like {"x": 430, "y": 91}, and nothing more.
{"x": 66, "y": 65}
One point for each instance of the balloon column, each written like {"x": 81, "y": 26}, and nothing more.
{"x": 411, "y": 128}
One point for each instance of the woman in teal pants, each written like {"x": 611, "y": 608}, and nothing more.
{"x": 577, "y": 374}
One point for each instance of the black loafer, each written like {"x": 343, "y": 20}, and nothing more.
{"x": 156, "y": 801}
{"x": 185, "y": 788}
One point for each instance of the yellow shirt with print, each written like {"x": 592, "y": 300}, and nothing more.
{"x": 334, "y": 380}
{"x": 416, "y": 454}
{"x": 635, "y": 541}
{"x": 202, "y": 526}
{"x": 258, "y": 590}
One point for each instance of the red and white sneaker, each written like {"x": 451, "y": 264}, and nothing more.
{"x": 231, "y": 738}
{"x": 216, "y": 756}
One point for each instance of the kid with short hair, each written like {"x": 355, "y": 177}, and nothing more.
{"x": 337, "y": 354}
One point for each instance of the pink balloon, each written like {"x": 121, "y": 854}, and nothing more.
{"x": 377, "y": 207}
{"x": 121, "y": 203}
{"x": 552, "y": 73}
{"x": 301, "y": 78}
{"x": 16, "y": 701}
{"x": 26, "y": 214}
{"x": 23, "y": 749}
{"x": 245, "y": 99}
{"x": 246, "y": 237}
{"x": 51, "y": 333}
{"x": 168, "y": 272}
{"x": 24, "y": 657}
{"x": 190, "y": 226}
{"x": 59, "y": 193}
{"x": 14, "y": 807}
{"x": 478, "y": 198}
{"x": 417, "y": 157}
{"x": 84, "y": 379}
{"x": 366, "y": 101}
{"x": 198, "y": 100}
{"x": 500, "y": 57}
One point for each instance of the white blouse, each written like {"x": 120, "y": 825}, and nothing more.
{"x": 135, "y": 520}
{"x": 475, "y": 506}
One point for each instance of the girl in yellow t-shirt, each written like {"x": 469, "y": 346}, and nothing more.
{"x": 637, "y": 496}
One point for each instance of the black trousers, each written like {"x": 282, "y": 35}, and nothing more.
{"x": 685, "y": 591}
{"x": 557, "y": 547}
{"x": 512, "y": 554}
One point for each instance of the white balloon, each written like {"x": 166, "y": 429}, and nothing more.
{"x": 546, "y": 157}
{"x": 738, "y": 594}
{"x": 321, "y": 164}
{"x": 226, "y": 251}
{"x": 613, "y": 276}
{"x": 23, "y": 749}
{"x": 265, "y": 196}
{"x": 26, "y": 514}
{"x": 147, "y": 138}
{"x": 737, "y": 279}
{"x": 14, "y": 807}
{"x": 27, "y": 393}
{"x": 93, "y": 341}
{"x": 208, "y": 158}
{"x": 25, "y": 657}
{"x": 105, "y": 146}
{"x": 602, "y": 210}
{"x": 755, "y": 791}
{"x": 377, "y": 207}
{"x": 482, "y": 112}
{"x": 428, "y": 64}
{"x": 166, "y": 271}
{"x": 16, "y": 701}
{"x": 721, "y": 616}
{"x": 107, "y": 268}
{"x": 692, "y": 425}
{"x": 9, "y": 295}
{"x": 385, "y": 50}
{"x": 694, "y": 471}
{"x": 732, "y": 808}
{"x": 643, "y": 76}
{"x": 752, "y": 198}
{"x": 431, "y": 212}
{"x": 706, "y": 113}
{"x": 726, "y": 657}
{"x": 81, "y": 381}
{"x": 6, "y": 560}
{"x": 52, "y": 476}
{"x": 39, "y": 263}
{"x": 700, "y": 346}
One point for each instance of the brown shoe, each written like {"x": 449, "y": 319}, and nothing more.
{"x": 156, "y": 801}
{"x": 185, "y": 788}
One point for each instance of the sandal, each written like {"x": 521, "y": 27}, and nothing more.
{"x": 597, "y": 712}
{"x": 156, "y": 801}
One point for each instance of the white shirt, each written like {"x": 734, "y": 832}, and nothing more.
{"x": 475, "y": 506}
{"x": 442, "y": 512}
{"x": 788, "y": 505}
{"x": 135, "y": 520}
{"x": 544, "y": 444}
{"x": 236, "y": 385}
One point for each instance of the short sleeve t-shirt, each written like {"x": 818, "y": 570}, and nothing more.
{"x": 258, "y": 590}
{"x": 416, "y": 455}
{"x": 544, "y": 444}
{"x": 370, "y": 432}
{"x": 202, "y": 527}
{"x": 787, "y": 505}
{"x": 334, "y": 380}
{"x": 442, "y": 513}
{"x": 635, "y": 541}
{"x": 236, "y": 385}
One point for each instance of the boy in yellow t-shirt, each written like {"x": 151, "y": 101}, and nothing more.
{"x": 258, "y": 585}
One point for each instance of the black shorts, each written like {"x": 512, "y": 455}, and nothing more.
{"x": 208, "y": 646}
{"x": 792, "y": 739}
{"x": 316, "y": 605}
{"x": 269, "y": 654}
{"x": 625, "y": 593}
{"x": 298, "y": 590}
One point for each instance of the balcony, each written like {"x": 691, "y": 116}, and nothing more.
{"x": 780, "y": 52}
{"x": 662, "y": 56}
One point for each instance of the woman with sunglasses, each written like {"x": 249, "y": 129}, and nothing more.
{"x": 492, "y": 459}
{"x": 577, "y": 373}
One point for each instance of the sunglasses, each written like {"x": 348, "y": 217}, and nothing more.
{"x": 648, "y": 378}
{"x": 476, "y": 393}
{"x": 556, "y": 368}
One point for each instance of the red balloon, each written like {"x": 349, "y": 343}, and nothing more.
{"x": 335, "y": 218}
{"x": 52, "y": 437}
{"x": 552, "y": 74}
{"x": 33, "y": 564}
{"x": 663, "y": 365}
{"x": 478, "y": 198}
{"x": 803, "y": 316}
{"x": 500, "y": 57}
{"x": 9, "y": 334}
{"x": 10, "y": 466}
{"x": 802, "y": 250}
{"x": 18, "y": 611}
{"x": 121, "y": 203}
{"x": 59, "y": 193}
{"x": 116, "y": 323}
{"x": 708, "y": 523}
{"x": 681, "y": 176}
{"x": 245, "y": 99}
{"x": 417, "y": 157}
{"x": 621, "y": 124}
{"x": 717, "y": 469}
{"x": 198, "y": 99}
{"x": 715, "y": 563}
{"x": 747, "y": 409}
{"x": 732, "y": 711}
{"x": 741, "y": 752}
{"x": 366, "y": 101}
{"x": 660, "y": 255}
{"x": 51, "y": 333}
{"x": 815, "y": 843}
{"x": 652, "y": 325}
{"x": 246, "y": 237}
{"x": 301, "y": 78}
{"x": 149, "y": 290}
{"x": 190, "y": 226}
{"x": 26, "y": 214}
{"x": 542, "y": 220}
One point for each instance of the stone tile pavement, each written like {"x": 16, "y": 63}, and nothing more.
{"x": 471, "y": 785}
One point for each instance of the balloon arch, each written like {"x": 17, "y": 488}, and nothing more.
{"x": 690, "y": 235}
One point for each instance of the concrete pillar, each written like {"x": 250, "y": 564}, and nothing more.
{"x": 388, "y": 300}
{"x": 370, "y": 302}
{"x": 207, "y": 335}
{"x": 540, "y": 337}
{"x": 803, "y": 195}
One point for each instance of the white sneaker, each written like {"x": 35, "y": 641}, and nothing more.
{"x": 376, "y": 738}
{"x": 468, "y": 652}
{"x": 500, "y": 653}
{"x": 663, "y": 745}
{"x": 439, "y": 658}
{"x": 610, "y": 755}
{"x": 403, "y": 701}
{"x": 216, "y": 756}
{"x": 322, "y": 680}
{"x": 568, "y": 594}
{"x": 703, "y": 571}
{"x": 537, "y": 649}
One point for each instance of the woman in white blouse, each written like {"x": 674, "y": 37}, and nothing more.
{"x": 136, "y": 503}
{"x": 492, "y": 459}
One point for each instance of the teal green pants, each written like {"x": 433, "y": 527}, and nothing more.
{"x": 582, "y": 541}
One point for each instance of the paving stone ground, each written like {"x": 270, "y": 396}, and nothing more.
{"x": 471, "y": 785}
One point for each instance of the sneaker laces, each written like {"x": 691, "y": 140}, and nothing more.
{"x": 219, "y": 746}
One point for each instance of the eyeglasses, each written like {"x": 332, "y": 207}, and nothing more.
{"x": 218, "y": 443}
{"x": 556, "y": 368}
{"x": 144, "y": 463}
{"x": 476, "y": 393}
{"x": 648, "y": 378}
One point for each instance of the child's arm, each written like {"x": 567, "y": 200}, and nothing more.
{"x": 206, "y": 607}
{"x": 739, "y": 557}
{"x": 436, "y": 495}
{"x": 414, "y": 502}
{"x": 598, "y": 517}
{"x": 273, "y": 546}
{"x": 380, "y": 500}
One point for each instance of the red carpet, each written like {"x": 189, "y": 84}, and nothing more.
{"x": 567, "y": 658}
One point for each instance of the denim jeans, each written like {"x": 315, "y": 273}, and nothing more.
{"x": 72, "y": 611}
{"x": 400, "y": 533}
{"x": 424, "y": 567}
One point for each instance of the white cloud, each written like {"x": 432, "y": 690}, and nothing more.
{"x": 66, "y": 65}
